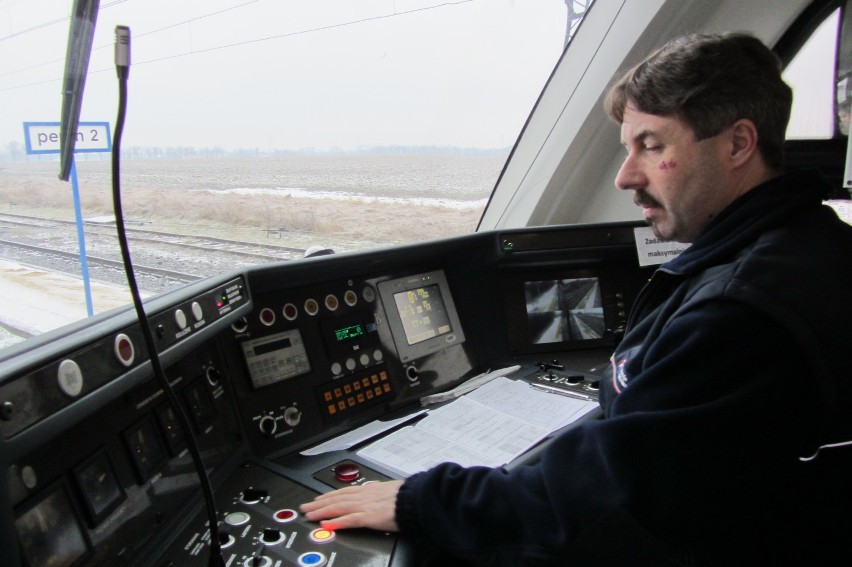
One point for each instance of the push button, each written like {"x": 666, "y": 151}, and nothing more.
{"x": 312, "y": 559}
{"x": 321, "y": 535}
{"x": 284, "y": 516}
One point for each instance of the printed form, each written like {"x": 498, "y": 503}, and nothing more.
{"x": 489, "y": 426}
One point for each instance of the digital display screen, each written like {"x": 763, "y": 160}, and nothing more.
{"x": 349, "y": 333}
{"x": 276, "y": 358}
{"x": 564, "y": 310}
{"x": 50, "y": 533}
{"x": 423, "y": 313}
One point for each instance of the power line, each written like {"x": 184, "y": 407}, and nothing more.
{"x": 230, "y": 45}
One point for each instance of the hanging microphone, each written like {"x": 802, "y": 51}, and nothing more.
{"x": 122, "y": 50}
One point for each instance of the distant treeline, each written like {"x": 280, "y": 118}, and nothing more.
{"x": 14, "y": 151}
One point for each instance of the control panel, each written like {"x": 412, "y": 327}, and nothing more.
{"x": 97, "y": 468}
{"x": 97, "y": 493}
{"x": 313, "y": 360}
{"x": 261, "y": 526}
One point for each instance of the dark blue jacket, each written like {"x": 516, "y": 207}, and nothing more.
{"x": 731, "y": 375}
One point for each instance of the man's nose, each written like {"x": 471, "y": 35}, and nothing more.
{"x": 630, "y": 176}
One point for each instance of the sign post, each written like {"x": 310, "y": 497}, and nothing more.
{"x": 43, "y": 138}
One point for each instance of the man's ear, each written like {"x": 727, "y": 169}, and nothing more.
{"x": 743, "y": 142}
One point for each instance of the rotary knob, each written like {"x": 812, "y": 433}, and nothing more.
{"x": 292, "y": 416}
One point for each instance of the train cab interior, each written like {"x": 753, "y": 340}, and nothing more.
{"x": 290, "y": 373}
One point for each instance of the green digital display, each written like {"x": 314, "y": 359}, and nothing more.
{"x": 349, "y": 333}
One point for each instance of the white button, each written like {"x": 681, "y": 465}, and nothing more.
{"x": 365, "y": 360}
{"x": 70, "y": 378}
{"x": 378, "y": 355}
{"x": 237, "y": 518}
{"x": 350, "y": 363}
{"x": 336, "y": 368}
{"x": 197, "y": 311}
{"x": 180, "y": 318}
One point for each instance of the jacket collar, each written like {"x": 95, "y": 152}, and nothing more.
{"x": 764, "y": 207}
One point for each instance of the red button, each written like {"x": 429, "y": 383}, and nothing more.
{"x": 285, "y": 515}
{"x": 347, "y": 472}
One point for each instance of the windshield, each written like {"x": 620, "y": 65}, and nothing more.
{"x": 255, "y": 130}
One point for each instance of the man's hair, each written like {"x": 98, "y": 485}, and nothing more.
{"x": 710, "y": 82}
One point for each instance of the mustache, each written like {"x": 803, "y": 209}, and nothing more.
{"x": 643, "y": 199}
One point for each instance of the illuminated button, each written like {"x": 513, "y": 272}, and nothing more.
{"x": 336, "y": 368}
{"x": 332, "y": 409}
{"x": 311, "y": 559}
{"x": 267, "y": 316}
{"x": 338, "y": 393}
{"x": 70, "y": 378}
{"x": 237, "y": 518}
{"x": 364, "y": 359}
{"x": 321, "y": 535}
{"x": 331, "y": 302}
{"x": 386, "y": 388}
{"x": 226, "y": 540}
{"x": 290, "y": 312}
{"x": 311, "y": 307}
{"x": 347, "y": 472}
{"x": 351, "y": 298}
{"x": 356, "y": 385}
{"x": 347, "y": 388}
{"x": 327, "y": 396}
{"x": 360, "y": 398}
{"x": 350, "y": 363}
{"x": 180, "y": 318}
{"x": 197, "y": 311}
{"x": 341, "y": 405}
{"x": 285, "y": 515}
{"x": 124, "y": 350}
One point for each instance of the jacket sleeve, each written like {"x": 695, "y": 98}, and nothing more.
{"x": 710, "y": 428}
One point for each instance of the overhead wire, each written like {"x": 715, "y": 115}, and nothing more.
{"x": 235, "y": 44}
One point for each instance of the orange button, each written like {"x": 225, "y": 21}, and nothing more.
{"x": 322, "y": 535}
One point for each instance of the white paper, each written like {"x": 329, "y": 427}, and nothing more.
{"x": 489, "y": 427}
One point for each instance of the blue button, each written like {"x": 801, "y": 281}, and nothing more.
{"x": 312, "y": 559}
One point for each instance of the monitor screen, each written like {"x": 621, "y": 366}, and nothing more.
{"x": 564, "y": 310}
{"x": 421, "y": 314}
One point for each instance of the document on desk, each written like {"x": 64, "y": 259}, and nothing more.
{"x": 490, "y": 427}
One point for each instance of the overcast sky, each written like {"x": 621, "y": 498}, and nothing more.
{"x": 291, "y": 74}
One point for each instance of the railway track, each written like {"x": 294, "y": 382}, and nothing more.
{"x": 162, "y": 261}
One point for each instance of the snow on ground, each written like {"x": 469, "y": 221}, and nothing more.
{"x": 35, "y": 301}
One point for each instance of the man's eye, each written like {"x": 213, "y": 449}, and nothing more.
{"x": 656, "y": 148}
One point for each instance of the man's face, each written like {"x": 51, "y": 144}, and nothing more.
{"x": 679, "y": 182}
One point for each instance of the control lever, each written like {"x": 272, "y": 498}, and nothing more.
{"x": 547, "y": 368}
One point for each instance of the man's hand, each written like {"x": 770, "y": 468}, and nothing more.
{"x": 371, "y": 505}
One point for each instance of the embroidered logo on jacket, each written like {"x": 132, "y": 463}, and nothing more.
{"x": 619, "y": 374}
